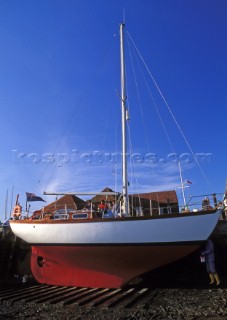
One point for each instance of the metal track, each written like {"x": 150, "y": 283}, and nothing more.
{"x": 105, "y": 298}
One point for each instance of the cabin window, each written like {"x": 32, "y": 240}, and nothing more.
{"x": 83, "y": 215}
{"x": 61, "y": 217}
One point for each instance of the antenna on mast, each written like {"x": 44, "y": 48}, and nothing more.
{"x": 124, "y": 16}
{"x": 182, "y": 185}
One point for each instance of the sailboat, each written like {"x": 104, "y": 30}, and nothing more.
{"x": 84, "y": 250}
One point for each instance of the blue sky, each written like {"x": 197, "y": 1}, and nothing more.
{"x": 60, "y": 104}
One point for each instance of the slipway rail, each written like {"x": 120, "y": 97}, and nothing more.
{"x": 68, "y": 296}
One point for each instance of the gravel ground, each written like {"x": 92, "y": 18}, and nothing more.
{"x": 174, "y": 304}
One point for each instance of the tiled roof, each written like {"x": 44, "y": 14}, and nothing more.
{"x": 97, "y": 199}
{"x": 160, "y": 196}
{"x": 70, "y": 201}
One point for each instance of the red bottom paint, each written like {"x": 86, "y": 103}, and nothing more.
{"x": 100, "y": 266}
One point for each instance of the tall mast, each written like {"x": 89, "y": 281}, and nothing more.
{"x": 123, "y": 115}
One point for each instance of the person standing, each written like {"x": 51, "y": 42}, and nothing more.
{"x": 208, "y": 254}
{"x": 206, "y": 203}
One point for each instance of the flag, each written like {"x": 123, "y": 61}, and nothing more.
{"x": 189, "y": 182}
{"x": 32, "y": 197}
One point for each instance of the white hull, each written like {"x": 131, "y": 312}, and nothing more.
{"x": 172, "y": 229}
